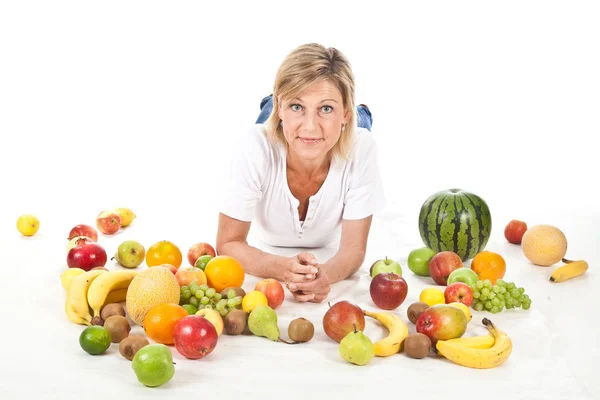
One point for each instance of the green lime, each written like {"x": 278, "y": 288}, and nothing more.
{"x": 202, "y": 261}
{"x": 94, "y": 339}
{"x": 190, "y": 308}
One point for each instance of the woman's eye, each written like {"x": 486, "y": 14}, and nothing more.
{"x": 296, "y": 107}
{"x": 327, "y": 109}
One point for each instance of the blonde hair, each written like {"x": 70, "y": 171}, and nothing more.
{"x": 304, "y": 66}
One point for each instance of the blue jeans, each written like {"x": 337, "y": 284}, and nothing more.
{"x": 365, "y": 119}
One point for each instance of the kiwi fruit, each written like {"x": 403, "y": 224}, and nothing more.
{"x": 112, "y": 309}
{"x": 417, "y": 345}
{"x": 301, "y": 330}
{"x": 235, "y": 322}
{"x": 131, "y": 344}
{"x": 118, "y": 327}
{"x": 415, "y": 310}
{"x": 238, "y": 291}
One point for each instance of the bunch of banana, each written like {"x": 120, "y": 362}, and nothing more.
{"x": 91, "y": 290}
{"x": 487, "y": 351}
{"x": 571, "y": 269}
{"x": 398, "y": 331}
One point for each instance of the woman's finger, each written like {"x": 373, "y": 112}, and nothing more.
{"x": 306, "y": 258}
{"x": 303, "y": 297}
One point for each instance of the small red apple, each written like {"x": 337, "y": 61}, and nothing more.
{"x": 188, "y": 274}
{"x": 195, "y": 337}
{"x": 514, "y": 231}
{"x": 86, "y": 256}
{"x": 341, "y": 318}
{"x": 459, "y": 292}
{"x": 108, "y": 222}
{"x": 273, "y": 290}
{"x": 83, "y": 230}
{"x": 442, "y": 264}
{"x": 442, "y": 322}
{"x": 388, "y": 290}
{"x": 198, "y": 250}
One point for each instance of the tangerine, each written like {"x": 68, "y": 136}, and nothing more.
{"x": 489, "y": 265}
{"x": 160, "y": 322}
{"x": 164, "y": 252}
{"x": 224, "y": 271}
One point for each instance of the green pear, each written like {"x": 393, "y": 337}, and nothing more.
{"x": 130, "y": 254}
{"x": 262, "y": 321}
{"x": 357, "y": 348}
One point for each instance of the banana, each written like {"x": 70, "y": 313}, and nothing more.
{"x": 74, "y": 317}
{"x": 398, "y": 331}
{"x": 127, "y": 216}
{"x": 570, "y": 270}
{"x": 77, "y": 301}
{"x": 105, "y": 284}
{"x": 478, "y": 358}
{"x": 474, "y": 342}
{"x": 116, "y": 296}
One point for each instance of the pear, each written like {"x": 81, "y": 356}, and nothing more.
{"x": 357, "y": 348}
{"x": 262, "y": 321}
{"x": 127, "y": 216}
{"x": 130, "y": 254}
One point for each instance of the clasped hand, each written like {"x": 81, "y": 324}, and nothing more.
{"x": 305, "y": 280}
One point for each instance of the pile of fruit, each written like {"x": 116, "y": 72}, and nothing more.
{"x": 190, "y": 306}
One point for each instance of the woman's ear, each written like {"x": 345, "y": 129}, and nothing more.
{"x": 346, "y": 116}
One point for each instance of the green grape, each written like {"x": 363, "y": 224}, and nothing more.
{"x": 521, "y": 290}
{"x": 183, "y": 289}
{"x": 526, "y": 306}
{"x": 238, "y": 300}
{"x": 485, "y": 291}
{"x": 521, "y": 298}
{"x": 204, "y": 287}
{"x": 199, "y": 293}
{"x": 210, "y": 292}
{"x": 515, "y": 293}
{"x": 217, "y": 296}
{"x": 224, "y": 312}
{"x": 223, "y": 303}
{"x": 230, "y": 294}
{"x": 496, "y": 289}
{"x": 526, "y": 297}
{"x": 476, "y": 294}
{"x": 187, "y": 294}
{"x": 500, "y": 282}
{"x": 517, "y": 304}
{"x": 208, "y": 306}
{"x": 492, "y": 295}
{"x": 488, "y": 305}
{"x": 231, "y": 303}
{"x": 510, "y": 286}
{"x": 509, "y": 306}
{"x": 479, "y": 306}
{"x": 219, "y": 306}
{"x": 201, "y": 307}
{"x": 205, "y": 300}
{"x": 194, "y": 301}
{"x": 494, "y": 310}
{"x": 495, "y": 301}
{"x": 483, "y": 297}
{"x": 194, "y": 287}
{"x": 502, "y": 304}
{"x": 194, "y": 283}
{"x": 182, "y": 301}
{"x": 502, "y": 289}
{"x": 479, "y": 285}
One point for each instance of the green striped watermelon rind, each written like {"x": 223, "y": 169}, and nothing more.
{"x": 439, "y": 218}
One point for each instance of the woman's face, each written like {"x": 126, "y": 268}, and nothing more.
{"x": 312, "y": 122}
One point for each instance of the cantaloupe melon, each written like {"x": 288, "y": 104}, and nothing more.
{"x": 149, "y": 288}
{"x": 544, "y": 245}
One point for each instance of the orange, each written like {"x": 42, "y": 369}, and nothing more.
{"x": 489, "y": 265}
{"x": 224, "y": 271}
{"x": 160, "y": 322}
{"x": 163, "y": 252}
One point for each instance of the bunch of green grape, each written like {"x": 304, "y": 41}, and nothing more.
{"x": 495, "y": 298}
{"x": 202, "y": 297}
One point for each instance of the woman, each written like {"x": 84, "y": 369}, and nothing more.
{"x": 303, "y": 176}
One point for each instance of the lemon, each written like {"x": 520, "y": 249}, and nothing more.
{"x": 432, "y": 296}
{"x": 28, "y": 225}
{"x": 254, "y": 299}
{"x": 67, "y": 277}
{"x": 126, "y": 214}
{"x": 464, "y": 308}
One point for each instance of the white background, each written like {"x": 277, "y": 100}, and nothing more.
{"x": 136, "y": 104}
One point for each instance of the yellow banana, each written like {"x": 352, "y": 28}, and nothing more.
{"x": 127, "y": 216}
{"x": 74, "y": 317}
{"x": 571, "y": 269}
{"x": 105, "y": 284}
{"x": 77, "y": 293}
{"x": 474, "y": 342}
{"x": 116, "y": 296}
{"x": 478, "y": 358}
{"x": 398, "y": 331}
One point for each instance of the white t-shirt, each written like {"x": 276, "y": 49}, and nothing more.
{"x": 257, "y": 191}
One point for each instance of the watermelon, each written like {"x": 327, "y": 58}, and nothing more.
{"x": 455, "y": 220}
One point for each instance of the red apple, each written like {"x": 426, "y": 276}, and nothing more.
{"x": 108, "y": 222}
{"x": 442, "y": 322}
{"x": 442, "y": 264}
{"x": 198, "y": 250}
{"x": 83, "y": 230}
{"x": 86, "y": 256}
{"x": 459, "y": 292}
{"x": 341, "y": 318}
{"x": 195, "y": 337}
{"x": 388, "y": 290}
{"x": 273, "y": 290}
{"x": 514, "y": 231}
{"x": 170, "y": 267}
{"x": 188, "y": 274}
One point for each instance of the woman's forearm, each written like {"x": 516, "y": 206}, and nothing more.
{"x": 343, "y": 264}
{"x": 255, "y": 262}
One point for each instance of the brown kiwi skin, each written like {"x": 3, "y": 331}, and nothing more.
{"x": 417, "y": 345}
{"x": 238, "y": 291}
{"x": 235, "y": 322}
{"x": 118, "y": 327}
{"x": 415, "y": 309}
{"x": 111, "y": 309}
{"x": 301, "y": 330}
{"x": 131, "y": 345}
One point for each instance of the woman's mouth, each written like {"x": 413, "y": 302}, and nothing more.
{"x": 309, "y": 140}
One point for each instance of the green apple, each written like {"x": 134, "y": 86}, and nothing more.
{"x": 385, "y": 265}
{"x": 202, "y": 261}
{"x": 464, "y": 275}
{"x": 418, "y": 260}
{"x": 153, "y": 365}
